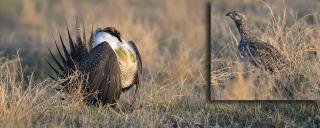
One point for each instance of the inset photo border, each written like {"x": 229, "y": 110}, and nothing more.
{"x": 264, "y": 50}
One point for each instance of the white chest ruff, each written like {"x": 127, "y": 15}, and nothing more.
{"x": 128, "y": 71}
{"x": 104, "y": 37}
{"x": 127, "y": 68}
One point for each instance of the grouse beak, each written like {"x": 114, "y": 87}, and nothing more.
{"x": 229, "y": 14}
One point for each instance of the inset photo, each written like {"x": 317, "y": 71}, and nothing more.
{"x": 265, "y": 50}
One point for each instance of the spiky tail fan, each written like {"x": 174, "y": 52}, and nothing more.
{"x": 69, "y": 60}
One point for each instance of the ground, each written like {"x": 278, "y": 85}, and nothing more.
{"x": 171, "y": 39}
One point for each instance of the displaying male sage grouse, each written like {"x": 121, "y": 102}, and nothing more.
{"x": 110, "y": 64}
{"x": 254, "y": 50}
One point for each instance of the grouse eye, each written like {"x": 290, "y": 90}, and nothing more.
{"x": 118, "y": 33}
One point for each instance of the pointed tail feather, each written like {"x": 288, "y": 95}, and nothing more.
{"x": 78, "y": 38}
{"x": 72, "y": 47}
{"x": 60, "y": 54}
{"x": 56, "y": 61}
{"x": 68, "y": 61}
{"x": 66, "y": 53}
{"x": 84, "y": 34}
{"x": 54, "y": 69}
{"x": 90, "y": 43}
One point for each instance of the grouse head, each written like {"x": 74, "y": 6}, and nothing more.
{"x": 237, "y": 17}
{"x": 109, "y": 34}
{"x": 113, "y": 31}
{"x": 241, "y": 22}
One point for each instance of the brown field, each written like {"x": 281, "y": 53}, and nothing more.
{"x": 293, "y": 27}
{"x": 171, "y": 38}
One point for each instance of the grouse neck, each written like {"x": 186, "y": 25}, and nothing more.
{"x": 244, "y": 31}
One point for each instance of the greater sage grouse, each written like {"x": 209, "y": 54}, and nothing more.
{"x": 254, "y": 50}
{"x": 110, "y": 64}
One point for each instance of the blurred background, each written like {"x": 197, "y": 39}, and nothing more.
{"x": 170, "y": 35}
{"x": 292, "y": 26}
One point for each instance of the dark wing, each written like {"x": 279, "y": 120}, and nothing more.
{"x": 137, "y": 77}
{"x": 265, "y": 55}
{"x": 102, "y": 66}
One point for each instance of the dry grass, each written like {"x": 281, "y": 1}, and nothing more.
{"x": 293, "y": 28}
{"x": 171, "y": 39}
{"x": 26, "y": 103}
{"x": 170, "y": 36}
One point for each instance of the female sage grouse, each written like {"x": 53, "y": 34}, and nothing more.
{"x": 254, "y": 50}
{"x": 111, "y": 64}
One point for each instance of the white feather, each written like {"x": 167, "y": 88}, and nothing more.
{"x": 102, "y": 36}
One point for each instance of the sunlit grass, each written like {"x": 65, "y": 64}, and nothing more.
{"x": 295, "y": 36}
{"x": 170, "y": 37}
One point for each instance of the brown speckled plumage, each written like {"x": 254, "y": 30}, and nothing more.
{"x": 254, "y": 50}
